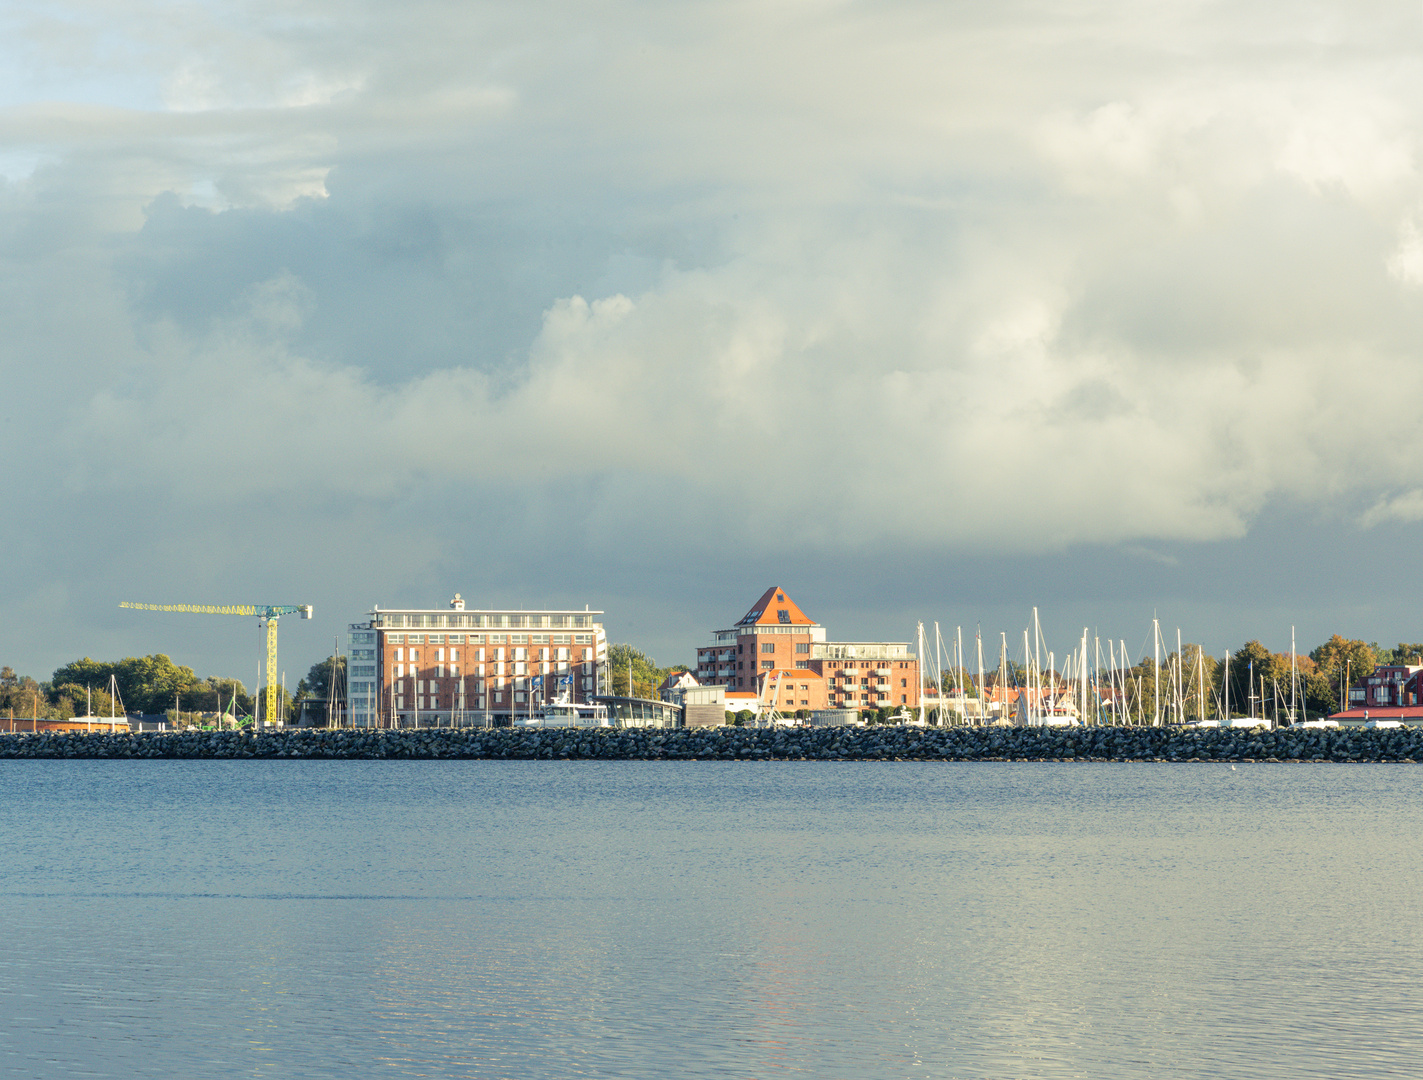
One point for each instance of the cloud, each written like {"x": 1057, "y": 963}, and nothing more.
{"x": 1406, "y": 507}
{"x": 786, "y": 280}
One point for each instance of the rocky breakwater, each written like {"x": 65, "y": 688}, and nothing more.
{"x": 749, "y": 744}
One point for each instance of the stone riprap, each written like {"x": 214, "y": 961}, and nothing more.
{"x": 749, "y": 744}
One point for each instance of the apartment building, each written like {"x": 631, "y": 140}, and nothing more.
{"x": 443, "y": 666}
{"x": 777, "y": 651}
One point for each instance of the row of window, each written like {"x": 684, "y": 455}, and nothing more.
{"x": 490, "y": 639}
{"x": 479, "y": 654}
{"x": 432, "y": 686}
{"x": 515, "y": 619}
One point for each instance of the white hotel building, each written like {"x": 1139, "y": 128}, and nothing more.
{"x": 433, "y": 667}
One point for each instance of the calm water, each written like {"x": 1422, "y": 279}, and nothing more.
{"x": 624, "y": 919}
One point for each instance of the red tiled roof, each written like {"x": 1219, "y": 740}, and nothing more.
{"x": 767, "y": 611}
{"x": 1381, "y": 712}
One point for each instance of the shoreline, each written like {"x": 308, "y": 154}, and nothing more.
{"x": 1247, "y": 745}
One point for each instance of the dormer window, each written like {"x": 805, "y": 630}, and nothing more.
{"x": 780, "y": 598}
{"x": 784, "y": 616}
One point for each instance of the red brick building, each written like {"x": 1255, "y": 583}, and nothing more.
{"x": 775, "y": 640}
{"x": 452, "y": 666}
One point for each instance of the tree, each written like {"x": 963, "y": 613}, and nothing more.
{"x": 71, "y": 699}
{"x": 147, "y": 684}
{"x": 646, "y": 676}
{"x": 318, "y": 678}
{"x": 1410, "y": 653}
{"x": 1342, "y": 658}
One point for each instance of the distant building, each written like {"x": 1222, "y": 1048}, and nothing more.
{"x": 452, "y": 666}
{"x": 1390, "y": 693}
{"x": 1388, "y": 684}
{"x": 672, "y": 686}
{"x": 778, "y": 643}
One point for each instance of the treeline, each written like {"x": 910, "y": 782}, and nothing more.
{"x": 151, "y": 685}
{"x": 145, "y": 684}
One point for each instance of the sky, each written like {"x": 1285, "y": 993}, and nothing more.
{"x": 930, "y": 311}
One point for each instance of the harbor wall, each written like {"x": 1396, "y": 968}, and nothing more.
{"x": 730, "y": 743}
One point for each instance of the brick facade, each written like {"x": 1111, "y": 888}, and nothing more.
{"x": 442, "y": 667}
{"x": 775, "y": 640}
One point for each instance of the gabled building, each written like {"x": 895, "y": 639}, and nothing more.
{"x": 1389, "y": 684}
{"x": 775, "y": 642}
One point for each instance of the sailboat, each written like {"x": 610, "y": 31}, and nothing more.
{"x": 110, "y": 722}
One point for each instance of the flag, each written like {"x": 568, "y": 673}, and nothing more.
{"x": 567, "y": 680}
{"x": 537, "y": 682}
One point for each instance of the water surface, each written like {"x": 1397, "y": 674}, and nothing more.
{"x": 719, "y": 919}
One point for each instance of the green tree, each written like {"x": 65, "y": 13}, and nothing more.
{"x": 646, "y": 676}
{"x": 147, "y": 684}
{"x": 319, "y": 677}
{"x": 71, "y": 699}
{"x": 1340, "y": 659}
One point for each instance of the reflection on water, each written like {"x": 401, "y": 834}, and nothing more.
{"x": 520, "y": 919}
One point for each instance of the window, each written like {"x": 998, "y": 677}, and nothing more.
{"x": 738, "y": 648}
{"x": 439, "y": 654}
{"x": 802, "y": 646}
{"x": 456, "y": 639}
{"x": 768, "y": 664}
{"x": 784, "y": 617}
{"x": 437, "y": 639}
{"x": 768, "y": 646}
{"x": 454, "y": 654}
{"x": 802, "y": 663}
{"x": 903, "y": 682}
{"x": 780, "y": 598}
{"x": 740, "y": 664}
{"x": 415, "y": 639}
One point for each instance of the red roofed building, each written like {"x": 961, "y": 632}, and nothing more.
{"x": 775, "y": 639}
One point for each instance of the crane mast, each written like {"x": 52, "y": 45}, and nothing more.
{"x": 267, "y": 613}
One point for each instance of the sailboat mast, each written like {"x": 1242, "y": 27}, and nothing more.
{"x": 963, "y": 690}
{"x": 1038, "y": 655}
{"x": 1028, "y": 680}
{"x": 1156, "y": 681}
{"x": 982, "y": 698}
{"x": 923, "y": 654}
{"x": 1294, "y": 680}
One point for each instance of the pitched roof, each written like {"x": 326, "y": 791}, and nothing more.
{"x": 775, "y": 608}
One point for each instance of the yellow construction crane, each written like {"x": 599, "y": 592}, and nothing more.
{"x": 269, "y": 613}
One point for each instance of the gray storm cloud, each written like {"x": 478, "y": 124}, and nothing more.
{"x": 1017, "y": 278}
